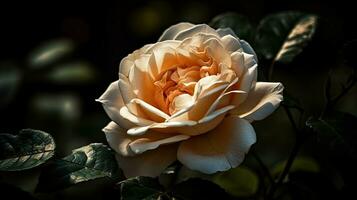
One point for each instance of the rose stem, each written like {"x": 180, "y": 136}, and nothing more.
{"x": 330, "y": 103}
{"x": 263, "y": 166}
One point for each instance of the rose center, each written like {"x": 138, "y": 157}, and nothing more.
{"x": 179, "y": 80}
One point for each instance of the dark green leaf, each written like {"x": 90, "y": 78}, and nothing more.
{"x": 86, "y": 163}
{"x": 196, "y": 188}
{"x": 10, "y": 77}
{"x": 282, "y": 36}
{"x": 26, "y": 150}
{"x": 50, "y": 52}
{"x": 140, "y": 188}
{"x": 300, "y": 164}
{"x": 238, "y": 23}
{"x": 239, "y": 182}
{"x": 74, "y": 72}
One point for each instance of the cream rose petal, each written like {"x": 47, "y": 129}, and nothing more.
{"x": 118, "y": 139}
{"x": 226, "y": 31}
{"x": 127, "y": 145}
{"x": 112, "y": 101}
{"x": 231, "y": 43}
{"x": 191, "y": 128}
{"x": 197, "y": 29}
{"x": 126, "y": 89}
{"x": 248, "y": 49}
{"x": 172, "y": 31}
{"x": 150, "y": 163}
{"x": 220, "y": 149}
{"x": 154, "y": 113}
{"x": 262, "y": 100}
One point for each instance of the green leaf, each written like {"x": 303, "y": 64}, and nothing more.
{"x": 239, "y": 182}
{"x": 238, "y": 23}
{"x": 86, "y": 163}
{"x": 10, "y": 77}
{"x": 73, "y": 72}
{"x": 305, "y": 164}
{"x": 196, "y": 188}
{"x": 28, "y": 149}
{"x": 50, "y": 52}
{"x": 283, "y": 36}
{"x": 140, "y": 188}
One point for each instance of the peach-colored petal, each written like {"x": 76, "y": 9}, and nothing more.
{"x": 161, "y": 60}
{"x": 154, "y": 113}
{"x": 231, "y": 43}
{"x": 245, "y": 84}
{"x": 112, "y": 101}
{"x": 262, "y": 100}
{"x": 150, "y": 163}
{"x": 118, "y": 139}
{"x": 135, "y": 119}
{"x": 172, "y": 31}
{"x": 249, "y": 79}
{"x": 126, "y": 64}
{"x": 144, "y": 144}
{"x": 226, "y": 31}
{"x": 238, "y": 66}
{"x": 190, "y": 128}
{"x": 128, "y": 145}
{"x": 220, "y": 149}
{"x": 126, "y": 89}
{"x": 249, "y": 60}
{"x": 197, "y": 29}
{"x": 216, "y": 50}
{"x": 143, "y": 87}
{"x": 216, "y": 113}
{"x": 248, "y": 49}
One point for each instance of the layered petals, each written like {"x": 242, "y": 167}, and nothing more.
{"x": 190, "y": 96}
{"x": 220, "y": 149}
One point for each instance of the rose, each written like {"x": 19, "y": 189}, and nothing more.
{"x": 191, "y": 96}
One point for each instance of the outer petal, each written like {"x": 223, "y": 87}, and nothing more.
{"x": 199, "y": 28}
{"x": 112, "y": 103}
{"x": 248, "y": 49}
{"x": 127, "y": 145}
{"x": 220, "y": 149}
{"x": 261, "y": 102}
{"x": 118, "y": 139}
{"x": 191, "y": 128}
{"x": 150, "y": 163}
{"x": 226, "y": 31}
{"x": 231, "y": 43}
{"x": 173, "y": 30}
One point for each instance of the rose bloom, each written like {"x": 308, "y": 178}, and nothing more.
{"x": 190, "y": 97}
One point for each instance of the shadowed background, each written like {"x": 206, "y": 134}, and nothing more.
{"x": 57, "y": 57}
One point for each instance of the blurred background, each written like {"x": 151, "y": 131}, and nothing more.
{"x": 57, "y": 57}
